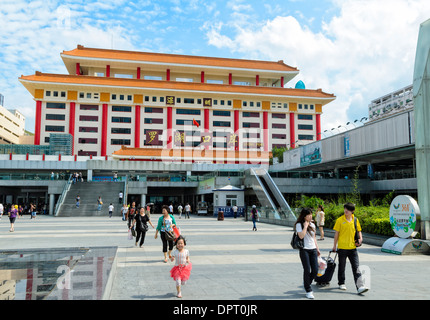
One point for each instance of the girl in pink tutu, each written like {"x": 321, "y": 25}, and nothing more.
{"x": 182, "y": 269}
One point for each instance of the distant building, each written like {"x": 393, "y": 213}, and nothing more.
{"x": 12, "y": 124}
{"x": 144, "y": 100}
{"x": 390, "y": 103}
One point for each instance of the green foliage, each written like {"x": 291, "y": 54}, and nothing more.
{"x": 279, "y": 153}
{"x": 373, "y": 219}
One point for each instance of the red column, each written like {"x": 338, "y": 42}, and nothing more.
{"x": 169, "y": 128}
{"x": 78, "y": 68}
{"x": 168, "y": 75}
{"x": 318, "y": 126}
{"x": 38, "y": 123}
{"x": 266, "y": 131}
{"x": 108, "y": 71}
{"x": 230, "y": 78}
{"x": 202, "y": 77}
{"x": 104, "y": 129}
{"x": 236, "y": 128}
{"x": 72, "y": 123}
{"x": 137, "y": 127}
{"x": 138, "y": 73}
{"x": 292, "y": 131}
{"x": 206, "y": 123}
{"x": 257, "y": 80}
{"x": 282, "y": 82}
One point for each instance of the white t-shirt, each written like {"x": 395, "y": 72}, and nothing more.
{"x": 309, "y": 237}
{"x": 110, "y": 208}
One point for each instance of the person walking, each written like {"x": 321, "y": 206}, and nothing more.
{"x": 346, "y": 245}
{"x": 187, "y": 210}
{"x": 120, "y": 196}
{"x": 182, "y": 269}
{"x": 13, "y": 213}
{"x": 111, "y": 207}
{"x": 32, "y": 211}
{"x": 320, "y": 221}
{"x": 254, "y": 216}
{"x": 99, "y": 203}
{"x": 234, "y": 208}
{"x": 1, "y": 210}
{"x": 180, "y": 208}
{"x": 309, "y": 254}
{"x": 141, "y": 220}
{"x": 124, "y": 210}
{"x": 130, "y": 214}
{"x": 165, "y": 223}
{"x": 78, "y": 201}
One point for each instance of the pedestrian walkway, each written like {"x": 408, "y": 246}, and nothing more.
{"x": 230, "y": 261}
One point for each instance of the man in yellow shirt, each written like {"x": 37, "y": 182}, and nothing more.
{"x": 346, "y": 245}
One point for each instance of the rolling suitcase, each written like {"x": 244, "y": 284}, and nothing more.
{"x": 325, "y": 279}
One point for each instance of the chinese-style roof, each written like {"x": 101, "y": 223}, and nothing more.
{"x": 191, "y": 155}
{"x": 32, "y": 82}
{"x": 176, "y": 59}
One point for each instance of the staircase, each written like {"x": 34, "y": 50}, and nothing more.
{"x": 89, "y": 193}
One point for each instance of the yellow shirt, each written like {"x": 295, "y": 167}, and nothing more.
{"x": 346, "y": 231}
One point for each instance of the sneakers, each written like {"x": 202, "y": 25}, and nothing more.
{"x": 342, "y": 287}
{"x": 310, "y": 295}
{"x": 362, "y": 290}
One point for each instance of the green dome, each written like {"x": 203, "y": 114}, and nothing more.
{"x": 300, "y": 85}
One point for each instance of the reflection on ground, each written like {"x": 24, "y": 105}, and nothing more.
{"x": 55, "y": 274}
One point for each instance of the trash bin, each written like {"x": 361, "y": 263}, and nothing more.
{"x": 220, "y": 215}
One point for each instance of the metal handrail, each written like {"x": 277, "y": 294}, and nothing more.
{"x": 63, "y": 195}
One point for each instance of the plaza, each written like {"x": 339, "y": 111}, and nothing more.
{"x": 230, "y": 262}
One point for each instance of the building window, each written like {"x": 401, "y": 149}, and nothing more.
{"x": 89, "y": 107}
{"x": 221, "y": 123}
{"x": 54, "y": 128}
{"x": 121, "y": 130}
{"x": 189, "y": 100}
{"x": 120, "y": 142}
{"x": 153, "y": 110}
{"x": 251, "y": 114}
{"x": 55, "y": 116}
{"x": 279, "y": 136}
{"x": 306, "y": 137}
{"x": 87, "y": 140}
{"x": 88, "y": 129}
{"x": 251, "y": 125}
{"x": 188, "y": 111}
{"x": 221, "y": 113}
{"x": 154, "y": 121}
{"x": 279, "y": 126}
{"x": 305, "y": 127}
{"x": 121, "y": 119}
{"x": 54, "y": 105}
{"x": 121, "y": 108}
{"x": 305, "y": 117}
{"x": 89, "y": 118}
{"x": 278, "y": 115}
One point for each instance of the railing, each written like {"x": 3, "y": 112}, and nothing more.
{"x": 33, "y": 176}
{"x": 63, "y": 195}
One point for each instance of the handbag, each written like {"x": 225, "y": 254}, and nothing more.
{"x": 170, "y": 235}
{"x": 296, "y": 242}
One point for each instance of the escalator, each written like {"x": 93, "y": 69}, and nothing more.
{"x": 270, "y": 197}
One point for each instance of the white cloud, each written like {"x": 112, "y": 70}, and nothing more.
{"x": 364, "y": 52}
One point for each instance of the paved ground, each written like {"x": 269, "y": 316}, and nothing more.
{"x": 230, "y": 261}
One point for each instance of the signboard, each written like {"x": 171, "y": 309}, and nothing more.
{"x": 403, "y": 215}
{"x": 170, "y": 100}
{"x": 232, "y": 140}
{"x": 179, "y": 138}
{"x": 206, "y": 139}
{"x": 310, "y": 154}
{"x": 152, "y": 137}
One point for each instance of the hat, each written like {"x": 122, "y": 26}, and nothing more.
{"x": 254, "y": 206}
{"x": 16, "y": 206}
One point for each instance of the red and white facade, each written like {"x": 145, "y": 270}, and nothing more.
{"x": 113, "y": 98}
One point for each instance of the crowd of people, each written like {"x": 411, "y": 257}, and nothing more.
{"x": 14, "y": 211}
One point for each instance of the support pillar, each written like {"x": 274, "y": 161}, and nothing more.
{"x": 318, "y": 126}
{"x": 72, "y": 112}
{"x": 137, "y": 127}
{"x": 265, "y": 131}
{"x": 104, "y": 129}
{"x": 292, "y": 131}
{"x": 169, "y": 128}
{"x": 38, "y": 122}
{"x": 51, "y": 204}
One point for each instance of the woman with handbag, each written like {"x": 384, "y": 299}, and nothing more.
{"x": 165, "y": 226}
{"x": 141, "y": 219}
{"x": 305, "y": 229}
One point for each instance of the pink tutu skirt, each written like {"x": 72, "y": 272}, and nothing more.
{"x": 181, "y": 272}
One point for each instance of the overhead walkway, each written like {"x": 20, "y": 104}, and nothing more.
{"x": 274, "y": 207}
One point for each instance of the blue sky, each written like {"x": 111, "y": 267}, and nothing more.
{"x": 357, "y": 49}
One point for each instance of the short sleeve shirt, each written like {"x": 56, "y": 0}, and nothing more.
{"x": 346, "y": 231}
{"x": 309, "y": 237}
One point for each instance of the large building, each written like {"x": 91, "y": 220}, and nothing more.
{"x": 113, "y": 98}
{"x": 12, "y": 124}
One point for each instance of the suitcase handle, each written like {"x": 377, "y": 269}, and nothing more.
{"x": 334, "y": 256}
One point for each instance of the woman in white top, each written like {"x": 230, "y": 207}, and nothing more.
{"x": 320, "y": 221}
{"x": 309, "y": 254}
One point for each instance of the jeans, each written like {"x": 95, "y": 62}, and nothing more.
{"x": 352, "y": 255}
{"x": 309, "y": 258}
